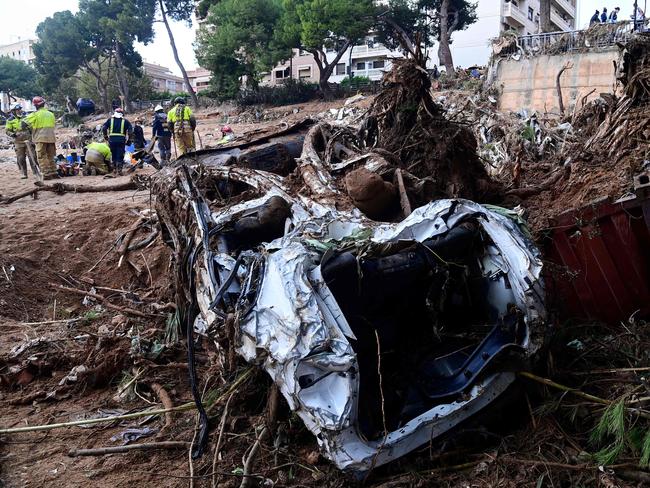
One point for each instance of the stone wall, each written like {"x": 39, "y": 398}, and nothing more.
{"x": 529, "y": 83}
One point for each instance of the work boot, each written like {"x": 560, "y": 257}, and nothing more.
{"x": 23, "y": 177}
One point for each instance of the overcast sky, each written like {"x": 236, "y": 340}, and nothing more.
{"x": 20, "y": 18}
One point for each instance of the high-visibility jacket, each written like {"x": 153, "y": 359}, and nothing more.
{"x": 181, "y": 119}
{"x": 41, "y": 123}
{"x": 98, "y": 148}
{"x": 117, "y": 129}
{"x": 176, "y": 114}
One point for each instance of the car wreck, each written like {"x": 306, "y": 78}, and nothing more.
{"x": 380, "y": 336}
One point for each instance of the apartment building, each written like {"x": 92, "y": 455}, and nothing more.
{"x": 162, "y": 79}
{"x": 473, "y": 46}
{"x": 199, "y": 79}
{"x": 21, "y": 51}
{"x": 302, "y": 66}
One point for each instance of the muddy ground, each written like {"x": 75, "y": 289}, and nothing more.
{"x": 537, "y": 438}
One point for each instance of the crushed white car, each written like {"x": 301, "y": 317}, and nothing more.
{"x": 380, "y": 336}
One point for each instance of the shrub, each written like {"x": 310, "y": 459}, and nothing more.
{"x": 292, "y": 91}
{"x": 355, "y": 82}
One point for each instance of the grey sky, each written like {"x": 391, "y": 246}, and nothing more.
{"x": 20, "y": 18}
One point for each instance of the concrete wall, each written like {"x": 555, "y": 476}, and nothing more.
{"x": 530, "y": 82}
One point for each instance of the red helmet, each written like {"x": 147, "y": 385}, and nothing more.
{"x": 226, "y": 129}
{"x": 38, "y": 101}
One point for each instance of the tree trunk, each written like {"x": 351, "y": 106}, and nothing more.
{"x": 102, "y": 87}
{"x": 190, "y": 90}
{"x": 122, "y": 82}
{"x": 545, "y": 16}
{"x": 444, "y": 53}
{"x": 325, "y": 69}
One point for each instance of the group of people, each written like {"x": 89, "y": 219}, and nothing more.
{"x": 35, "y": 140}
{"x": 638, "y": 16}
{"x": 604, "y": 18}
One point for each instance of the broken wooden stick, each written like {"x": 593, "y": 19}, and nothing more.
{"x": 128, "y": 237}
{"x": 70, "y": 188}
{"x": 162, "y": 394}
{"x": 147, "y": 446}
{"x": 567, "y": 66}
{"x": 127, "y": 416}
{"x": 104, "y": 301}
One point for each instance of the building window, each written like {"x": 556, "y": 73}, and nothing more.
{"x": 281, "y": 74}
{"x": 378, "y": 64}
{"x": 304, "y": 73}
{"x": 361, "y": 66}
{"x": 340, "y": 69}
{"x": 531, "y": 13}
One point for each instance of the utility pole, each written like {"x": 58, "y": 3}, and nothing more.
{"x": 636, "y": 9}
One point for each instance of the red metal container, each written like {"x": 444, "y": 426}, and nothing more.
{"x": 603, "y": 253}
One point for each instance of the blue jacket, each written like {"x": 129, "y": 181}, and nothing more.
{"x": 159, "y": 125}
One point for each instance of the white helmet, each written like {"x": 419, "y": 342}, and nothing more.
{"x": 158, "y": 107}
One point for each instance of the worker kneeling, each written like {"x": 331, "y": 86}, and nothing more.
{"x": 98, "y": 158}
{"x": 182, "y": 124}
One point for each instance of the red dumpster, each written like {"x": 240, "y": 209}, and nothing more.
{"x": 603, "y": 253}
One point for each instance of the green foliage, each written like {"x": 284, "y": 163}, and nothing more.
{"x": 180, "y": 10}
{"x": 63, "y": 46}
{"x": 288, "y": 93}
{"x": 237, "y": 40}
{"x": 420, "y": 17}
{"x": 17, "y": 78}
{"x": 645, "y": 451}
{"x": 355, "y": 82}
{"x": 528, "y": 133}
{"x": 611, "y": 426}
{"x": 327, "y": 22}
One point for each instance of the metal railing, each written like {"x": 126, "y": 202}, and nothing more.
{"x": 602, "y": 35}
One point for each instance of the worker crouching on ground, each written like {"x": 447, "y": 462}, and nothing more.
{"x": 227, "y": 135}
{"x": 98, "y": 158}
{"x": 182, "y": 124}
{"x": 117, "y": 131}
{"x": 41, "y": 125}
{"x": 22, "y": 143}
{"x": 162, "y": 133}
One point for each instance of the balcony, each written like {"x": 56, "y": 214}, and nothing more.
{"x": 567, "y": 7}
{"x": 560, "y": 22}
{"x": 514, "y": 15}
{"x": 373, "y": 74}
{"x": 364, "y": 51}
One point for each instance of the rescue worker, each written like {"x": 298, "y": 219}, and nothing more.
{"x": 182, "y": 124}
{"x": 227, "y": 135}
{"x": 138, "y": 135}
{"x": 162, "y": 132}
{"x": 41, "y": 125}
{"x": 22, "y": 143}
{"x": 98, "y": 158}
{"x": 118, "y": 132}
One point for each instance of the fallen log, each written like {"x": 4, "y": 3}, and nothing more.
{"x": 71, "y": 188}
{"x": 549, "y": 182}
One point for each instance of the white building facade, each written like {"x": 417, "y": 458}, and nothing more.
{"x": 21, "y": 51}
